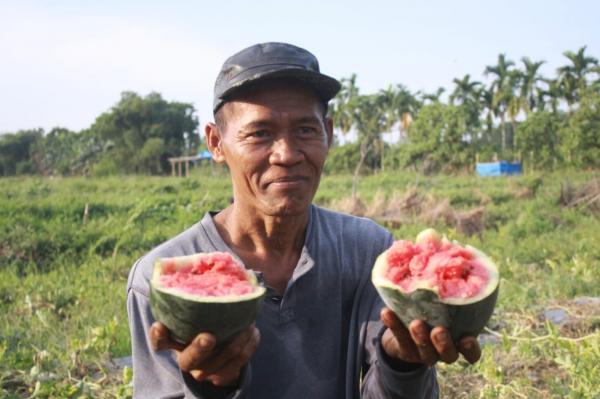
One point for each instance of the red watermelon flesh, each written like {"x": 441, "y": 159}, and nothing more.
{"x": 215, "y": 274}
{"x": 441, "y": 264}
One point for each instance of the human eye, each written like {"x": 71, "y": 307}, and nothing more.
{"x": 308, "y": 131}
{"x": 258, "y": 134}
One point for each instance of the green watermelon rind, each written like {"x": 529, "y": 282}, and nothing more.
{"x": 461, "y": 316}
{"x": 187, "y": 315}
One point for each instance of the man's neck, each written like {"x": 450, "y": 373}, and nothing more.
{"x": 270, "y": 244}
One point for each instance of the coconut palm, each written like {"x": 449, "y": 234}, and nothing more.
{"x": 514, "y": 103}
{"x": 486, "y": 100}
{"x": 466, "y": 94}
{"x": 530, "y": 88}
{"x": 573, "y": 77}
{"x": 581, "y": 66}
{"x": 551, "y": 94}
{"x": 344, "y": 104}
{"x": 465, "y": 90}
{"x": 369, "y": 122}
{"x": 431, "y": 97}
{"x": 396, "y": 104}
{"x": 502, "y": 89}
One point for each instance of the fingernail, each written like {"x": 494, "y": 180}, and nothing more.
{"x": 203, "y": 342}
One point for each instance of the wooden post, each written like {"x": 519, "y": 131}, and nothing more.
{"x": 531, "y": 160}
{"x": 178, "y": 168}
{"x": 187, "y": 168}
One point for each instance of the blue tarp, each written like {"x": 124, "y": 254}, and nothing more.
{"x": 501, "y": 168}
{"x": 205, "y": 155}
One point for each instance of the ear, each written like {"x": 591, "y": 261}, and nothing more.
{"x": 214, "y": 142}
{"x": 329, "y": 128}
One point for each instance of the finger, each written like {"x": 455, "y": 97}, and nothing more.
{"x": 419, "y": 331}
{"x": 443, "y": 344}
{"x": 390, "y": 320}
{"x": 200, "y": 349}
{"x": 470, "y": 349}
{"x": 398, "y": 343}
{"x": 160, "y": 338}
{"x": 226, "y": 354}
{"x": 229, "y": 374}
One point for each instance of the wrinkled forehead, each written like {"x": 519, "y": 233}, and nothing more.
{"x": 272, "y": 95}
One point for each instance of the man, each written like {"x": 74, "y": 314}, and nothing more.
{"x": 322, "y": 331}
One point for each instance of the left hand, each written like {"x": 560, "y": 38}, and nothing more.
{"x": 421, "y": 344}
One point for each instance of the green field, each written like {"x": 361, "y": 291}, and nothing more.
{"x": 63, "y": 272}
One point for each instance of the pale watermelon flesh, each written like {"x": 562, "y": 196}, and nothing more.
{"x": 451, "y": 270}
{"x": 214, "y": 275}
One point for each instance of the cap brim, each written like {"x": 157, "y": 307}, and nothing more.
{"x": 325, "y": 86}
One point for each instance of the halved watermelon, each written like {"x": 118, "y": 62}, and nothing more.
{"x": 438, "y": 281}
{"x": 207, "y": 292}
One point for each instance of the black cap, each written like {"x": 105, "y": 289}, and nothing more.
{"x": 271, "y": 60}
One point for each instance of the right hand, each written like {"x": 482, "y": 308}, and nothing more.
{"x": 203, "y": 360}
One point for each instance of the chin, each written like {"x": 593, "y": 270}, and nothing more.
{"x": 292, "y": 208}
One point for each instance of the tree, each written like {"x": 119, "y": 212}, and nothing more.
{"x": 434, "y": 97}
{"x": 538, "y": 138}
{"x": 437, "y": 139}
{"x": 126, "y": 128}
{"x": 551, "y": 94}
{"x": 573, "y": 77}
{"x": 530, "y": 90}
{"x": 370, "y": 122}
{"x": 486, "y": 99}
{"x": 579, "y": 138}
{"x": 580, "y": 67}
{"x": 396, "y": 104}
{"x": 502, "y": 89}
{"x": 344, "y": 104}
{"x": 56, "y": 152}
{"x": 466, "y": 94}
{"x": 366, "y": 115}
{"x": 514, "y": 103}
{"x": 16, "y": 152}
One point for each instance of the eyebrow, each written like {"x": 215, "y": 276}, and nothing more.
{"x": 254, "y": 125}
{"x": 260, "y": 124}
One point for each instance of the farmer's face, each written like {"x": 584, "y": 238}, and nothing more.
{"x": 274, "y": 140}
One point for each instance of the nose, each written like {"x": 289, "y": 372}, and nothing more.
{"x": 286, "y": 151}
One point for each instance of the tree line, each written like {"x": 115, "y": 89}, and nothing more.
{"x": 137, "y": 135}
{"x": 546, "y": 122}
{"x": 519, "y": 115}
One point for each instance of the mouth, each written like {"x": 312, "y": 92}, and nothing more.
{"x": 288, "y": 181}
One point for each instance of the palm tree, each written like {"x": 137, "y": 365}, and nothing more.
{"x": 432, "y": 97}
{"x": 568, "y": 88}
{"x": 552, "y": 94}
{"x": 369, "y": 121}
{"x": 466, "y": 94}
{"x": 529, "y": 85}
{"x": 465, "y": 90}
{"x": 573, "y": 78}
{"x": 344, "y": 104}
{"x": 486, "y": 99}
{"x": 514, "y": 103}
{"x": 502, "y": 90}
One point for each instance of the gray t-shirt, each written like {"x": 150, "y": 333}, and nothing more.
{"x": 321, "y": 339}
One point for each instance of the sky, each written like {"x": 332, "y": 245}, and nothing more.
{"x": 63, "y": 63}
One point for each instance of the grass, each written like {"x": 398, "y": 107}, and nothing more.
{"x": 63, "y": 273}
